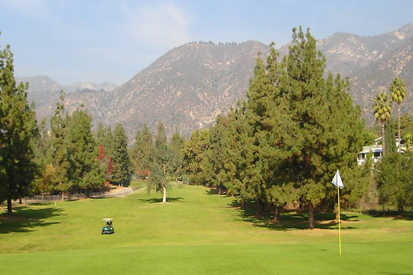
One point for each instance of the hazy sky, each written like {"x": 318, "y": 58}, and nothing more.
{"x": 112, "y": 40}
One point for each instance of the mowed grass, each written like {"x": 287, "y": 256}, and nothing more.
{"x": 195, "y": 233}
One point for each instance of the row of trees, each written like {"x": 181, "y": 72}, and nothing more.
{"x": 67, "y": 154}
{"x": 282, "y": 146}
{"x": 394, "y": 174}
{"x": 73, "y": 159}
{"x": 383, "y": 109}
{"x": 64, "y": 157}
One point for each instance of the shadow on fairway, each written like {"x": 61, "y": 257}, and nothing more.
{"x": 292, "y": 220}
{"x": 25, "y": 219}
{"x": 407, "y": 215}
{"x": 396, "y": 273}
{"x": 159, "y": 200}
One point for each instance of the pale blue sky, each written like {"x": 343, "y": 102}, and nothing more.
{"x": 112, "y": 40}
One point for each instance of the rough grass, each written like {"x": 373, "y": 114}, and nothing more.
{"x": 195, "y": 233}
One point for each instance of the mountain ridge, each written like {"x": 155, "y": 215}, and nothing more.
{"x": 188, "y": 86}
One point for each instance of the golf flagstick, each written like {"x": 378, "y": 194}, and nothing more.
{"x": 339, "y": 220}
{"x": 339, "y": 183}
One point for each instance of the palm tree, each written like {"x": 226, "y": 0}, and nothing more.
{"x": 398, "y": 93}
{"x": 382, "y": 112}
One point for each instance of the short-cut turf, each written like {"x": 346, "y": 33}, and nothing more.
{"x": 194, "y": 233}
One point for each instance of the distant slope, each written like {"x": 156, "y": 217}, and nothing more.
{"x": 186, "y": 88}
{"x": 372, "y": 63}
{"x": 44, "y": 92}
{"x": 190, "y": 85}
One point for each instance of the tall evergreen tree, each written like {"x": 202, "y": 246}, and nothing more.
{"x": 85, "y": 173}
{"x": 176, "y": 146}
{"x": 108, "y": 141}
{"x": 100, "y": 134}
{"x": 142, "y": 151}
{"x": 194, "y": 157}
{"x": 18, "y": 128}
{"x": 59, "y": 152}
{"x": 121, "y": 173}
{"x": 44, "y": 181}
{"x": 394, "y": 179}
{"x": 316, "y": 127}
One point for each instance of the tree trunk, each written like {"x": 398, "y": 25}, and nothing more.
{"x": 63, "y": 196}
{"x": 311, "y": 216}
{"x": 9, "y": 207}
{"x": 398, "y": 124}
{"x": 20, "y": 201}
{"x": 383, "y": 141}
{"x": 276, "y": 215}
{"x": 260, "y": 209}
{"x": 400, "y": 209}
{"x": 243, "y": 204}
{"x": 164, "y": 194}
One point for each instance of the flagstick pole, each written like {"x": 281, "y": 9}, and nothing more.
{"x": 339, "y": 220}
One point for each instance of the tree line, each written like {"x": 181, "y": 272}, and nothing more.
{"x": 278, "y": 149}
{"x": 62, "y": 157}
{"x": 282, "y": 145}
{"x": 71, "y": 158}
{"x": 394, "y": 173}
{"x": 65, "y": 155}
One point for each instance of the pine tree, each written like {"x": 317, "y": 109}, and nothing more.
{"x": 195, "y": 157}
{"x": 142, "y": 152}
{"x": 393, "y": 176}
{"x": 85, "y": 174}
{"x": 176, "y": 146}
{"x": 316, "y": 127}
{"x": 217, "y": 154}
{"x": 18, "y": 129}
{"x": 108, "y": 141}
{"x": 121, "y": 173}
{"x": 59, "y": 152}
{"x": 100, "y": 134}
{"x": 44, "y": 181}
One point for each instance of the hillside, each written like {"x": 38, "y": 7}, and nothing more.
{"x": 372, "y": 63}
{"x": 190, "y": 85}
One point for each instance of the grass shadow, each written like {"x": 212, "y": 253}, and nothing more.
{"x": 41, "y": 203}
{"x": 159, "y": 200}
{"x": 291, "y": 219}
{"x": 396, "y": 273}
{"x": 407, "y": 215}
{"x": 25, "y": 219}
{"x": 212, "y": 191}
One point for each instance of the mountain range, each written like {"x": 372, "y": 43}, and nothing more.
{"x": 190, "y": 85}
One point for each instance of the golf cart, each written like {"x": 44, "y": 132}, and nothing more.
{"x": 108, "y": 227}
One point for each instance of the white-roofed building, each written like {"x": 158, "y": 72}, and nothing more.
{"x": 376, "y": 151}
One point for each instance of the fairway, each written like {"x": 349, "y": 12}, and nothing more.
{"x": 194, "y": 233}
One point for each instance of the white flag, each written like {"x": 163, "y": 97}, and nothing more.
{"x": 337, "y": 180}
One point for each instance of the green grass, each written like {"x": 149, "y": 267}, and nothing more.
{"x": 195, "y": 233}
